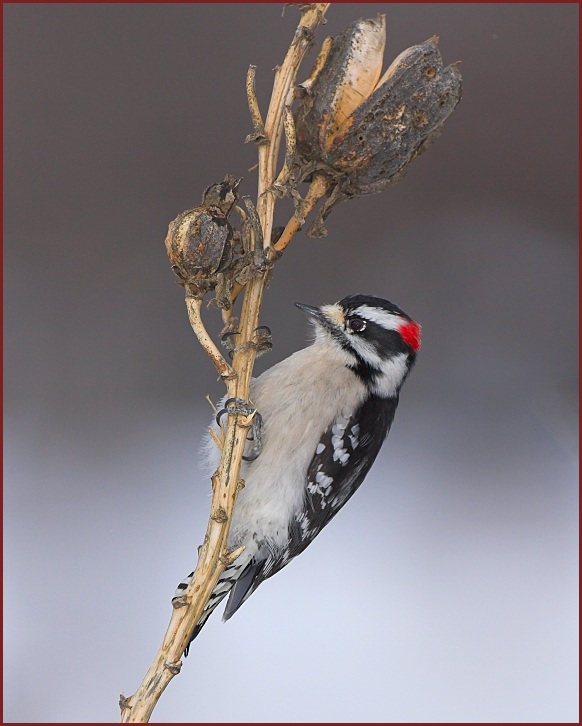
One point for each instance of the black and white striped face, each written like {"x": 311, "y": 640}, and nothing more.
{"x": 378, "y": 341}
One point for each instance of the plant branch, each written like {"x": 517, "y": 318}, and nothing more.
{"x": 316, "y": 191}
{"x": 193, "y": 306}
{"x": 213, "y": 553}
{"x": 312, "y": 16}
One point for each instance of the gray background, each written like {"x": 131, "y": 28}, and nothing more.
{"x": 447, "y": 588}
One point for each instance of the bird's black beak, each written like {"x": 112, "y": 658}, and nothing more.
{"x": 324, "y": 319}
{"x": 311, "y": 311}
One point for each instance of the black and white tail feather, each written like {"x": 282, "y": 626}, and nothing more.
{"x": 326, "y": 411}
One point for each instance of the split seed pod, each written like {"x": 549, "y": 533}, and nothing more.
{"x": 199, "y": 242}
{"x": 363, "y": 128}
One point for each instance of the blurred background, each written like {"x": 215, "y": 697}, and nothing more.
{"x": 446, "y": 591}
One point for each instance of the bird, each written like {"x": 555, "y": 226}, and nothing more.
{"x": 325, "y": 412}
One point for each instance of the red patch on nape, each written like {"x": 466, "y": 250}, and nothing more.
{"x": 410, "y": 332}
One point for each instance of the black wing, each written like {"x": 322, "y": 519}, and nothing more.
{"x": 341, "y": 461}
{"x": 343, "y": 457}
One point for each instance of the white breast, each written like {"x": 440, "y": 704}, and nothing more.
{"x": 298, "y": 399}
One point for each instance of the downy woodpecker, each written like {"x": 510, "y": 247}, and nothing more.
{"x": 325, "y": 412}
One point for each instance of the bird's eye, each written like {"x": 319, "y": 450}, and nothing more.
{"x": 356, "y": 325}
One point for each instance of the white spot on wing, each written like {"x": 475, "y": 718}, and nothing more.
{"x": 339, "y": 453}
{"x": 323, "y": 480}
{"x": 303, "y": 523}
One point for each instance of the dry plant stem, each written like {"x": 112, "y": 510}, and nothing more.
{"x": 213, "y": 555}
{"x": 255, "y": 112}
{"x": 212, "y": 560}
{"x": 289, "y": 127}
{"x": 194, "y": 305}
{"x": 312, "y": 16}
{"x": 317, "y": 190}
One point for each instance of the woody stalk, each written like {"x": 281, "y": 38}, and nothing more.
{"x": 354, "y": 131}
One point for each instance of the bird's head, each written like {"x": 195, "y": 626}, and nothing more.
{"x": 377, "y": 339}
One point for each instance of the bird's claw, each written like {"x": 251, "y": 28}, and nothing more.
{"x": 262, "y": 340}
{"x": 225, "y": 340}
{"x": 256, "y": 436}
{"x": 233, "y": 406}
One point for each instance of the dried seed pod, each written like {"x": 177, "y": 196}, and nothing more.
{"x": 199, "y": 244}
{"x": 222, "y": 194}
{"x": 200, "y": 241}
{"x": 346, "y": 73}
{"x": 391, "y": 127}
{"x": 361, "y": 130}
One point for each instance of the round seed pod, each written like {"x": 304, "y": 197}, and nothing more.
{"x": 199, "y": 243}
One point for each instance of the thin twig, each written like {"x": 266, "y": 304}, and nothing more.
{"x": 255, "y": 111}
{"x": 282, "y": 96}
{"x": 316, "y": 191}
{"x": 290, "y": 143}
{"x": 193, "y": 306}
{"x": 257, "y": 237}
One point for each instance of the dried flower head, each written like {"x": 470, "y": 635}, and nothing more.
{"x": 361, "y": 128}
{"x": 199, "y": 242}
